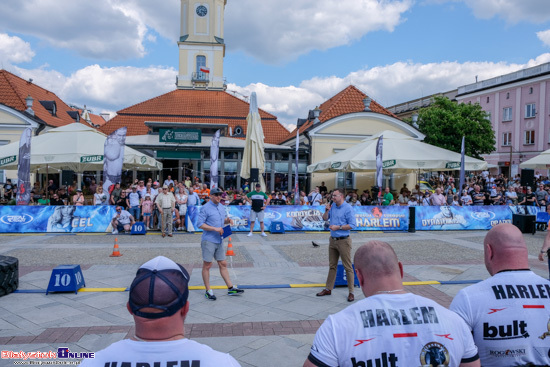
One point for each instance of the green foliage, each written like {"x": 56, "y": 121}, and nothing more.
{"x": 445, "y": 122}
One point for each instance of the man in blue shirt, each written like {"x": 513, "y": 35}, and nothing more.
{"x": 342, "y": 220}
{"x": 212, "y": 219}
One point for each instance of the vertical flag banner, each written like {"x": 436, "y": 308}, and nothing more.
{"x": 113, "y": 158}
{"x": 296, "y": 177}
{"x": 461, "y": 180}
{"x": 24, "y": 168}
{"x": 379, "y": 165}
{"x": 214, "y": 152}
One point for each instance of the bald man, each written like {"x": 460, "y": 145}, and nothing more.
{"x": 391, "y": 327}
{"x": 508, "y": 313}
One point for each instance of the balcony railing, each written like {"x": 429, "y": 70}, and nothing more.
{"x": 200, "y": 77}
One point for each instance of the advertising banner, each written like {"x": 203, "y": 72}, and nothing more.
{"x": 432, "y": 218}
{"x": 62, "y": 218}
{"x": 307, "y": 218}
{"x": 24, "y": 168}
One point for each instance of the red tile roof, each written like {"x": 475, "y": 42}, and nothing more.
{"x": 193, "y": 106}
{"x": 349, "y": 100}
{"x": 14, "y": 90}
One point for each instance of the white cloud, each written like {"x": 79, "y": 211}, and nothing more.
{"x": 110, "y": 88}
{"x": 280, "y": 30}
{"x": 388, "y": 85}
{"x": 14, "y": 50}
{"x": 97, "y": 29}
{"x": 544, "y": 36}
{"x": 120, "y": 87}
{"x": 536, "y": 11}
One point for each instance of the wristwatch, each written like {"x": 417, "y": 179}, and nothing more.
{"x": 341, "y": 227}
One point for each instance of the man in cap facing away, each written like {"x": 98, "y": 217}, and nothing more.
{"x": 158, "y": 302}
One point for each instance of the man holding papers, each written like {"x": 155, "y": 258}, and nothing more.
{"x": 212, "y": 219}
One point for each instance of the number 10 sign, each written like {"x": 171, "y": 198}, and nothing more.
{"x": 66, "y": 278}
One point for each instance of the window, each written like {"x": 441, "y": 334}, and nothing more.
{"x": 531, "y": 90}
{"x": 529, "y": 137}
{"x": 348, "y": 183}
{"x": 506, "y": 139}
{"x": 530, "y": 110}
{"x": 507, "y": 114}
{"x": 507, "y": 95}
{"x": 487, "y": 99}
{"x": 201, "y": 62}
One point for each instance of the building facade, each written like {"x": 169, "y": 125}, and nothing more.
{"x": 340, "y": 123}
{"x": 519, "y": 110}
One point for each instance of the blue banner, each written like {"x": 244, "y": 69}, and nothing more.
{"x": 308, "y": 218}
{"x": 433, "y": 218}
{"x": 63, "y": 218}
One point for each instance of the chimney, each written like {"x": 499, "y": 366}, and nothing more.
{"x": 106, "y": 116}
{"x": 29, "y": 101}
{"x": 316, "y": 113}
{"x": 366, "y": 101}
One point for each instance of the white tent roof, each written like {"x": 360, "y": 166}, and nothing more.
{"x": 400, "y": 153}
{"x": 75, "y": 147}
{"x": 541, "y": 161}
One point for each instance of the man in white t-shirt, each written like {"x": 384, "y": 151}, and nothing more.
{"x": 122, "y": 220}
{"x": 391, "y": 328}
{"x": 158, "y": 303}
{"x": 508, "y": 313}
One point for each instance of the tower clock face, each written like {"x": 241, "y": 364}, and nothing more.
{"x": 201, "y": 10}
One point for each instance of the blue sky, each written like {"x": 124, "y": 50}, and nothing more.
{"x": 294, "y": 54}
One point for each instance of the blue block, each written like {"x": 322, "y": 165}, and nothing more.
{"x": 138, "y": 228}
{"x": 341, "y": 279}
{"x": 277, "y": 227}
{"x": 542, "y": 217}
{"x": 66, "y": 278}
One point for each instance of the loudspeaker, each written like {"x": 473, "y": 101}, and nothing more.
{"x": 525, "y": 222}
{"x": 66, "y": 178}
{"x": 254, "y": 175}
{"x": 528, "y": 178}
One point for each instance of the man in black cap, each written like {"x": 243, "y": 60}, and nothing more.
{"x": 158, "y": 303}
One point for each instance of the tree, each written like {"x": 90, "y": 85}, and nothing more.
{"x": 445, "y": 122}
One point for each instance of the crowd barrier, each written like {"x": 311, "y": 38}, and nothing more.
{"x": 96, "y": 219}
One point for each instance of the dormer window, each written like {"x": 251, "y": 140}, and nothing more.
{"x": 75, "y": 115}
{"x": 51, "y": 106}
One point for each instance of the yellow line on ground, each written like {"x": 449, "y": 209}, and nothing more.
{"x": 428, "y": 282}
{"x": 307, "y": 285}
{"x": 102, "y": 289}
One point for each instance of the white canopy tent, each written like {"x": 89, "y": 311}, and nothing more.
{"x": 401, "y": 153}
{"x": 253, "y": 155}
{"x": 74, "y": 147}
{"x": 541, "y": 161}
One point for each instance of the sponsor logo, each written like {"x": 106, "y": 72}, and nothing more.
{"x": 361, "y": 341}
{"x": 516, "y": 352}
{"x": 16, "y": 219}
{"x": 143, "y": 159}
{"x": 495, "y": 310}
{"x": 274, "y": 216}
{"x": 389, "y": 163}
{"x": 483, "y": 216}
{"x": 434, "y": 354}
{"x": 336, "y": 165}
{"x": 517, "y": 330}
{"x": 446, "y": 336}
{"x": 7, "y": 160}
{"x": 386, "y": 360}
{"x": 91, "y": 158}
{"x": 452, "y": 165}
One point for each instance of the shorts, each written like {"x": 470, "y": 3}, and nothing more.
{"x": 212, "y": 250}
{"x": 146, "y": 214}
{"x": 254, "y": 215}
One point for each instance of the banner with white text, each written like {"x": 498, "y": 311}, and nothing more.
{"x": 444, "y": 218}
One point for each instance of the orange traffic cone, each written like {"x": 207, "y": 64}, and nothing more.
{"x": 230, "y": 249}
{"x": 116, "y": 252}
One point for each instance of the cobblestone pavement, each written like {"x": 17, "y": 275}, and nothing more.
{"x": 256, "y": 328}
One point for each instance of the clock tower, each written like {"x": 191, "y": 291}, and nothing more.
{"x": 201, "y": 45}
